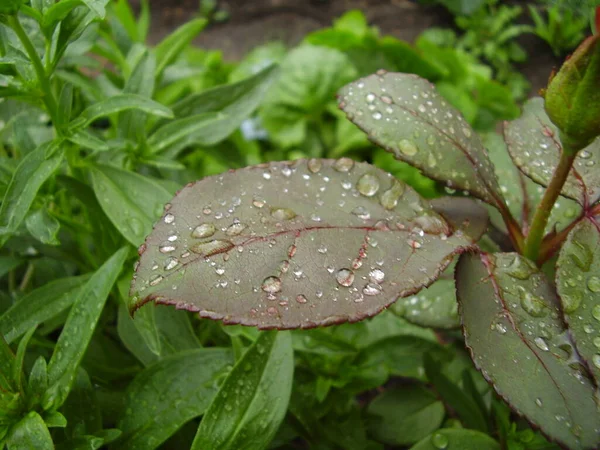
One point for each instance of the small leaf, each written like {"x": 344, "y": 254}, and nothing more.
{"x": 40, "y": 305}
{"x": 42, "y": 226}
{"x": 171, "y": 46}
{"x": 512, "y": 326}
{"x": 131, "y": 201}
{"x": 84, "y": 138}
{"x": 457, "y": 439}
{"x": 31, "y": 173}
{"x": 78, "y": 329}
{"x": 578, "y": 284}
{"x": 30, "y": 433}
{"x": 182, "y": 128}
{"x": 404, "y": 415}
{"x": 405, "y": 115}
{"x": 321, "y": 230}
{"x": 534, "y": 145}
{"x": 252, "y": 401}
{"x": 169, "y": 394}
{"x": 118, "y": 103}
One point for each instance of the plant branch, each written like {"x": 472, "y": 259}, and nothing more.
{"x": 514, "y": 229}
{"x": 533, "y": 241}
{"x": 48, "y": 95}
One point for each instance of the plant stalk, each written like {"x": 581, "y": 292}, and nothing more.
{"x": 533, "y": 241}
{"x": 48, "y": 95}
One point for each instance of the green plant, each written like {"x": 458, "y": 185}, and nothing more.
{"x": 339, "y": 241}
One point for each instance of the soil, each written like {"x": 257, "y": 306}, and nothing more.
{"x": 252, "y": 23}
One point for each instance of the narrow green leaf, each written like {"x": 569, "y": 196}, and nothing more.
{"x": 57, "y": 12}
{"x": 7, "y": 362}
{"x": 118, "y": 103}
{"x": 42, "y": 226}
{"x": 38, "y": 380}
{"x": 84, "y": 138}
{"x": 578, "y": 284}
{"x": 253, "y": 399}
{"x": 457, "y": 439}
{"x": 17, "y": 369}
{"x": 123, "y": 12}
{"x": 131, "y": 201}
{"x": 179, "y": 129}
{"x": 168, "y": 394}
{"x": 40, "y": 305}
{"x": 423, "y": 130}
{"x": 31, "y": 173}
{"x": 65, "y": 103}
{"x": 79, "y": 327}
{"x": 172, "y": 46}
{"x": 29, "y": 434}
{"x": 513, "y": 328}
{"x": 81, "y": 409}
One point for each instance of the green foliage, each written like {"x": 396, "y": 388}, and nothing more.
{"x": 103, "y": 139}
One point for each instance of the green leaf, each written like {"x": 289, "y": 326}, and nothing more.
{"x": 42, "y": 226}
{"x": 172, "y": 46}
{"x": 309, "y": 78}
{"x": 512, "y": 326}
{"x": 252, "y": 401}
{"x": 578, "y": 284}
{"x": 7, "y": 362}
{"x": 131, "y": 201}
{"x": 118, "y": 103}
{"x": 235, "y": 102}
{"x": 457, "y": 439}
{"x": 81, "y": 409}
{"x": 30, "y": 433}
{"x": 84, "y": 138}
{"x": 404, "y": 415}
{"x": 8, "y": 263}
{"x": 17, "y": 369}
{"x": 323, "y": 254}
{"x": 405, "y": 115}
{"x": 78, "y": 329}
{"x": 464, "y": 214}
{"x": 200, "y": 126}
{"x": 40, "y": 305}
{"x": 35, "y": 168}
{"x": 535, "y": 148}
{"x": 166, "y": 395}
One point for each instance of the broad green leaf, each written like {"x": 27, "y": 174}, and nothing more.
{"x": 290, "y": 245}
{"x": 404, "y": 415}
{"x": 30, "y": 433}
{"x": 235, "y": 102}
{"x": 78, "y": 329}
{"x": 42, "y": 226}
{"x": 310, "y": 76}
{"x": 534, "y": 145}
{"x": 180, "y": 129}
{"x": 169, "y": 393}
{"x": 457, "y": 439}
{"x": 512, "y": 327}
{"x": 252, "y": 401}
{"x": 40, "y": 305}
{"x": 35, "y": 168}
{"x": 172, "y": 46}
{"x": 118, "y": 103}
{"x": 131, "y": 201}
{"x": 578, "y": 284}
{"x": 464, "y": 214}
{"x": 405, "y": 115}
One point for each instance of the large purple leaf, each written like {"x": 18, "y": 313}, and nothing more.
{"x": 578, "y": 284}
{"x": 404, "y": 114}
{"x": 512, "y": 326}
{"x": 294, "y": 245}
{"x": 535, "y": 147}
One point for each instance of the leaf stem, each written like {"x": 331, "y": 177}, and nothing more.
{"x": 533, "y": 241}
{"x": 48, "y": 95}
{"x": 514, "y": 229}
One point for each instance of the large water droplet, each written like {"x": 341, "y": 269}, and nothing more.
{"x": 361, "y": 212}
{"x": 171, "y": 263}
{"x": 368, "y": 185}
{"x": 593, "y": 284}
{"x": 169, "y": 218}
{"x": 345, "y": 277}
{"x": 282, "y": 213}
{"x": 521, "y": 268}
{"x": 203, "y": 230}
{"x": 533, "y": 305}
{"x": 213, "y": 247}
{"x": 314, "y": 165}
{"x": 376, "y": 275}
{"x": 541, "y": 343}
{"x": 155, "y": 280}
{"x": 596, "y": 360}
{"x": 596, "y": 312}
{"x": 343, "y": 164}
{"x": 372, "y": 289}
{"x": 408, "y": 147}
{"x": 166, "y": 247}
{"x": 389, "y": 199}
{"x": 271, "y": 285}
{"x": 235, "y": 228}
{"x": 439, "y": 441}
{"x": 571, "y": 301}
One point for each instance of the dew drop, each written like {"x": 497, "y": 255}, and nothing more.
{"x": 368, "y": 185}
{"x": 541, "y": 344}
{"x": 372, "y": 289}
{"x": 377, "y": 115}
{"x": 597, "y": 342}
{"x": 593, "y": 284}
{"x": 235, "y": 228}
{"x": 169, "y": 218}
{"x": 533, "y": 305}
{"x": 212, "y": 247}
{"x": 136, "y": 226}
{"x": 345, "y": 277}
{"x": 271, "y": 285}
{"x": 155, "y": 280}
{"x": 596, "y": 360}
{"x": 389, "y": 199}
{"x": 171, "y": 263}
{"x": 361, "y": 212}
{"x": 370, "y": 97}
{"x": 538, "y": 401}
{"x": 439, "y": 441}
{"x": 376, "y": 275}
{"x": 520, "y": 269}
{"x": 258, "y": 202}
{"x": 166, "y": 247}
{"x": 343, "y": 164}
{"x": 301, "y": 299}
{"x": 407, "y": 147}
{"x": 500, "y": 328}
{"x": 282, "y": 213}
{"x": 596, "y": 312}
{"x": 314, "y": 165}
{"x": 203, "y": 230}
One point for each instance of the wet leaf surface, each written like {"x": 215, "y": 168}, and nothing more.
{"x": 294, "y": 245}
{"x": 405, "y": 115}
{"x": 512, "y": 326}
{"x": 463, "y": 213}
{"x": 457, "y": 439}
{"x": 535, "y": 147}
{"x": 578, "y": 284}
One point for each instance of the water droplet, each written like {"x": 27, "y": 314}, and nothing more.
{"x": 136, "y": 226}
{"x": 596, "y": 312}
{"x": 172, "y": 238}
{"x": 372, "y": 289}
{"x": 368, "y": 185}
{"x": 171, "y": 263}
{"x": 213, "y": 247}
{"x": 541, "y": 343}
{"x": 521, "y": 268}
{"x": 571, "y": 302}
{"x": 314, "y": 165}
{"x": 596, "y": 360}
{"x": 235, "y": 228}
{"x": 386, "y": 99}
{"x": 166, "y": 247}
{"x": 414, "y": 243}
{"x": 377, "y": 115}
{"x": 538, "y": 401}
{"x": 466, "y": 131}
{"x": 389, "y": 199}
{"x": 500, "y": 328}
{"x": 407, "y": 147}
{"x": 370, "y": 97}
{"x": 169, "y": 218}
{"x": 155, "y": 280}
{"x": 376, "y": 275}
{"x": 282, "y": 213}
{"x": 345, "y": 277}
{"x": 343, "y": 165}
{"x": 271, "y": 285}
{"x": 258, "y": 202}
{"x": 439, "y": 441}
{"x": 301, "y": 298}
{"x": 533, "y": 305}
{"x": 203, "y": 230}
{"x": 593, "y": 284}
{"x": 597, "y": 341}
{"x": 361, "y": 212}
